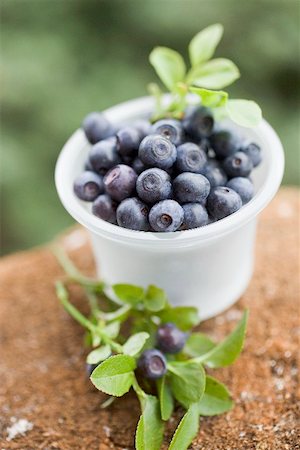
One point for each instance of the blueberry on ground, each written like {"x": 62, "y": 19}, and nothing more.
{"x": 223, "y": 201}
{"x": 190, "y": 158}
{"x": 224, "y": 143}
{"x": 243, "y": 186}
{"x": 198, "y": 122}
{"x": 195, "y": 215}
{"x": 191, "y": 187}
{"x": 170, "y": 339}
{"x": 238, "y": 165}
{"x": 104, "y": 155}
{"x": 169, "y": 128}
{"x": 152, "y": 364}
{"x": 128, "y": 141}
{"x": 120, "y": 182}
{"x": 105, "y": 208}
{"x": 154, "y": 185}
{"x": 214, "y": 173}
{"x": 254, "y": 152}
{"x": 88, "y": 185}
{"x": 166, "y": 215}
{"x": 96, "y": 127}
{"x": 133, "y": 214}
{"x": 138, "y": 166}
{"x": 157, "y": 151}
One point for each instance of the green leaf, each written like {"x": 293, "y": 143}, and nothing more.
{"x": 98, "y": 355}
{"x": 135, "y": 343}
{"x": 112, "y": 329}
{"x": 186, "y": 430}
{"x": 203, "y": 45}
{"x": 187, "y": 382}
{"x": 169, "y": 66}
{"x": 215, "y": 74}
{"x": 209, "y": 98}
{"x": 155, "y": 298}
{"x": 115, "y": 375}
{"x": 244, "y": 112}
{"x": 128, "y": 293}
{"x": 185, "y": 317}
{"x": 165, "y": 399}
{"x": 149, "y": 433}
{"x": 198, "y": 344}
{"x": 227, "y": 351}
{"x": 216, "y": 398}
{"x": 120, "y": 314}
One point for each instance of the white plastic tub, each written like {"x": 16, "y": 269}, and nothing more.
{"x": 208, "y": 267}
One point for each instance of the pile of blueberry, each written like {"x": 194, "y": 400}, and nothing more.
{"x": 167, "y": 176}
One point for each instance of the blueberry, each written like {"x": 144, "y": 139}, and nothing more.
{"x": 224, "y": 143}
{"x": 166, "y": 215}
{"x": 238, "y": 165}
{"x": 223, "y": 201}
{"x": 89, "y": 368}
{"x": 157, "y": 151}
{"x": 128, "y": 141}
{"x": 138, "y": 166}
{"x": 88, "y": 185}
{"x": 133, "y": 214}
{"x": 104, "y": 155}
{"x": 198, "y": 122}
{"x": 143, "y": 126}
{"x": 254, "y": 152}
{"x": 152, "y": 364}
{"x": 170, "y": 339}
{"x": 205, "y": 145}
{"x": 190, "y": 158}
{"x": 154, "y": 185}
{"x": 169, "y": 128}
{"x": 105, "y": 208}
{"x": 243, "y": 186}
{"x": 96, "y": 127}
{"x": 191, "y": 187}
{"x": 195, "y": 215}
{"x": 120, "y": 182}
{"x": 88, "y": 165}
{"x": 214, "y": 173}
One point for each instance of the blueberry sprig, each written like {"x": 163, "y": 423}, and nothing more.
{"x": 205, "y": 78}
{"x": 140, "y": 342}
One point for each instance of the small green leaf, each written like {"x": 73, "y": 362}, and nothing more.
{"x": 215, "y": 74}
{"x": 155, "y": 298}
{"x": 244, "y": 112}
{"x": 169, "y": 66}
{"x": 115, "y": 375}
{"x": 187, "y": 382}
{"x": 216, "y": 398}
{"x": 211, "y": 99}
{"x": 165, "y": 399}
{"x": 98, "y": 355}
{"x": 186, "y": 430}
{"x": 135, "y": 343}
{"x": 185, "y": 317}
{"x": 198, "y": 344}
{"x": 128, "y": 293}
{"x": 112, "y": 329}
{"x": 120, "y": 314}
{"x": 203, "y": 45}
{"x": 149, "y": 433}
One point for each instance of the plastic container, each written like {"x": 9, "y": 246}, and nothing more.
{"x": 208, "y": 267}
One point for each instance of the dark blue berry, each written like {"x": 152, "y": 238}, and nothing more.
{"x": 88, "y": 185}
{"x": 143, "y": 126}
{"x": 190, "y": 158}
{"x": 198, "y": 122}
{"x": 154, "y": 185}
{"x": 243, "y": 186}
{"x": 152, "y": 364}
{"x": 133, "y": 214}
{"x": 96, "y": 127}
{"x": 120, "y": 182}
{"x": 166, "y": 215}
{"x": 223, "y": 201}
{"x": 169, "y": 128}
{"x": 104, "y": 155}
{"x": 170, "y": 339}
{"x": 238, "y": 165}
{"x": 128, "y": 141}
{"x": 214, "y": 173}
{"x": 89, "y": 368}
{"x": 138, "y": 166}
{"x": 191, "y": 187}
{"x": 224, "y": 143}
{"x": 195, "y": 215}
{"x": 157, "y": 151}
{"x": 254, "y": 152}
{"x": 88, "y": 165}
{"x": 105, "y": 208}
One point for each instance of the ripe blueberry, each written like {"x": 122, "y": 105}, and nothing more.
{"x": 170, "y": 339}
{"x": 223, "y": 201}
{"x": 157, "y": 151}
{"x": 104, "y": 155}
{"x": 191, "y": 187}
{"x": 195, "y": 215}
{"x": 224, "y": 143}
{"x": 154, "y": 185}
{"x": 105, "y": 208}
{"x": 120, "y": 182}
{"x": 171, "y": 129}
{"x": 243, "y": 186}
{"x": 133, "y": 214}
{"x": 128, "y": 141}
{"x": 96, "y": 127}
{"x": 152, "y": 364}
{"x": 190, "y": 158}
{"x": 238, "y": 165}
{"x": 214, "y": 173}
{"x": 88, "y": 185}
{"x": 89, "y": 368}
{"x": 138, "y": 166}
{"x": 198, "y": 122}
{"x": 143, "y": 126}
{"x": 254, "y": 152}
{"x": 166, "y": 215}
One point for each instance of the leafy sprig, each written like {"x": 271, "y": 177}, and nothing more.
{"x": 121, "y": 327}
{"x": 205, "y": 79}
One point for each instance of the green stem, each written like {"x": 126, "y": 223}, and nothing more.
{"x": 139, "y": 391}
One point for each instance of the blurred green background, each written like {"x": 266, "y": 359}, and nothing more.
{"x": 62, "y": 59}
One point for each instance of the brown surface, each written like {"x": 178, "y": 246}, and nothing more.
{"x": 42, "y": 360}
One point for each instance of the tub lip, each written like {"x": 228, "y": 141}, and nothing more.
{"x": 142, "y": 106}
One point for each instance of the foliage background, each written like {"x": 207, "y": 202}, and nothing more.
{"x": 62, "y": 59}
